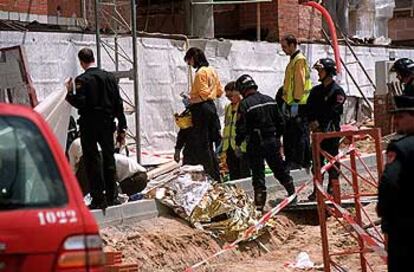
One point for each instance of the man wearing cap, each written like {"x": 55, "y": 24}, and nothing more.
{"x": 325, "y": 108}
{"x": 404, "y": 68}
{"x": 396, "y": 188}
{"x": 261, "y": 124}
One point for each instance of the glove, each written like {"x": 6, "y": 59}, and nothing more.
{"x": 177, "y": 155}
{"x": 237, "y": 152}
{"x": 294, "y": 108}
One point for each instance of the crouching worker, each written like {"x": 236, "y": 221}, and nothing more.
{"x": 261, "y": 124}
{"x": 131, "y": 176}
{"x": 325, "y": 108}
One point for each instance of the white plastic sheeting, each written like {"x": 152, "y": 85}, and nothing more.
{"x": 163, "y": 73}
{"x": 56, "y": 111}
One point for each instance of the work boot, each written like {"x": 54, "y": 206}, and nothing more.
{"x": 260, "y": 200}
{"x": 290, "y": 188}
{"x": 312, "y": 196}
{"x": 98, "y": 204}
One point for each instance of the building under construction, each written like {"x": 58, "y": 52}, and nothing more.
{"x": 143, "y": 43}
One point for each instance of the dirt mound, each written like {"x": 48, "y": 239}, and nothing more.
{"x": 169, "y": 244}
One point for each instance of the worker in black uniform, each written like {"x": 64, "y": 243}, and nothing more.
{"x": 261, "y": 124}
{"x": 405, "y": 73}
{"x": 325, "y": 108}
{"x": 97, "y": 98}
{"x": 396, "y": 189}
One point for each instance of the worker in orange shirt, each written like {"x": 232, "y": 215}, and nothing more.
{"x": 206, "y": 124}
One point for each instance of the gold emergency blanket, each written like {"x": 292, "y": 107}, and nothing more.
{"x": 223, "y": 210}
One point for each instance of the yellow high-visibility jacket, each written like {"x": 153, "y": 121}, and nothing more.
{"x": 297, "y": 83}
{"x": 229, "y": 132}
{"x": 206, "y": 84}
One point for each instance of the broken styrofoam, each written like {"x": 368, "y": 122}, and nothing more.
{"x": 302, "y": 261}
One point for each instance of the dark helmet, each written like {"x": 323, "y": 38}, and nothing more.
{"x": 244, "y": 83}
{"x": 403, "y": 66}
{"x": 327, "y": 64}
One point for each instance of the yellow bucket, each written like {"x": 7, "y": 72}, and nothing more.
{"x": 183, "y": 120}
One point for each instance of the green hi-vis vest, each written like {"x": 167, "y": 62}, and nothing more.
{"x": 229, "y": 133}
{"x": 290, "y": 78}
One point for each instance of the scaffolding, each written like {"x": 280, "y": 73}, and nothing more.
{"x": 110, "y": 17}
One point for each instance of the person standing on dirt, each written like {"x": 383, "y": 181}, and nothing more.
{"x": 261, "y": 124}
{"x": 324, "y": 111}
{"x": 404, "y": 68}
{"x": 396, "y": 188}
{"x": 206, "y": 124}
{"x": 96, "y": 96}
{"x": 296, "y": 87}
{"x": 237, "y": 164}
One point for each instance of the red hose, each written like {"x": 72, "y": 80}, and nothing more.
{"x": 332, "y": 31}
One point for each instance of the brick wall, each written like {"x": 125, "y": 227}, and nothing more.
{"x": 382, "y": 117}
{"x": 401, "y": 28}
{"x": 68, "y": 8}
{"x": 268, "y": 19}
{"x": 25, "y": 6}
{"x": 304, "y": 22}
{"x": 234, "y": 21}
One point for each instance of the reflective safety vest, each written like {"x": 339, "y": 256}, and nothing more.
{"x": 289, "y": 82}
{"x": 229, "y": 132}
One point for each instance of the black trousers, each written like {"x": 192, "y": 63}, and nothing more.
{"x": 100, "y": 178}
{"x": 296, "y": 142}
{"x": 400, "y": 250}
{"x": 266, "y": 150}
{"x": 238, "y": 167}
{"x": 202, "y": 153}
{"x": 205, "y": 132}
{"x": 331, "y": 146}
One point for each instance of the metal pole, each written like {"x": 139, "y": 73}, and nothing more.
{"x": 258, "y": 21}
{"x": 116, "y": 54}
{"x": 358, "y": 206}
{"x": 316, "y": 152}
{"x": 98, "y": 35}
{"x": 135, "y": 76}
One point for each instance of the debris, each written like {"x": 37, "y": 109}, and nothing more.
{"x": 302, "y": 261}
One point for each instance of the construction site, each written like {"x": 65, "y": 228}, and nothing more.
{"x": 182, "y": 219}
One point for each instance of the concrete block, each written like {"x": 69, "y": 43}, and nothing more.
{"x": 112, "y": 216}
{"x": 140, "y": 210}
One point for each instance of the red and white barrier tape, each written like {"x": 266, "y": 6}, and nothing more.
{"x": 265, "y": 218}
{"x": 252, "y": 229}
{"x": 370, "y": 242}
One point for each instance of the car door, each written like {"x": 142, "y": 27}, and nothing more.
{"x": 38, "y": 209}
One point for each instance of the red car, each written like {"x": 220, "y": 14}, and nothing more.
{"x": 44, "y": 223}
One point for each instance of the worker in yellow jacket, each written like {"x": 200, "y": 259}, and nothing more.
{"x": 236, "y": 159}
{"x": 296, "y": 88}
{"x": 206, "y": 129}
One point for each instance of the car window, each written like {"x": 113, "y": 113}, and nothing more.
{"x": 28, "y": 174}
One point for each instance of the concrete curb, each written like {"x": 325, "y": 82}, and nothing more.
{"x": 149, "y": 208}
